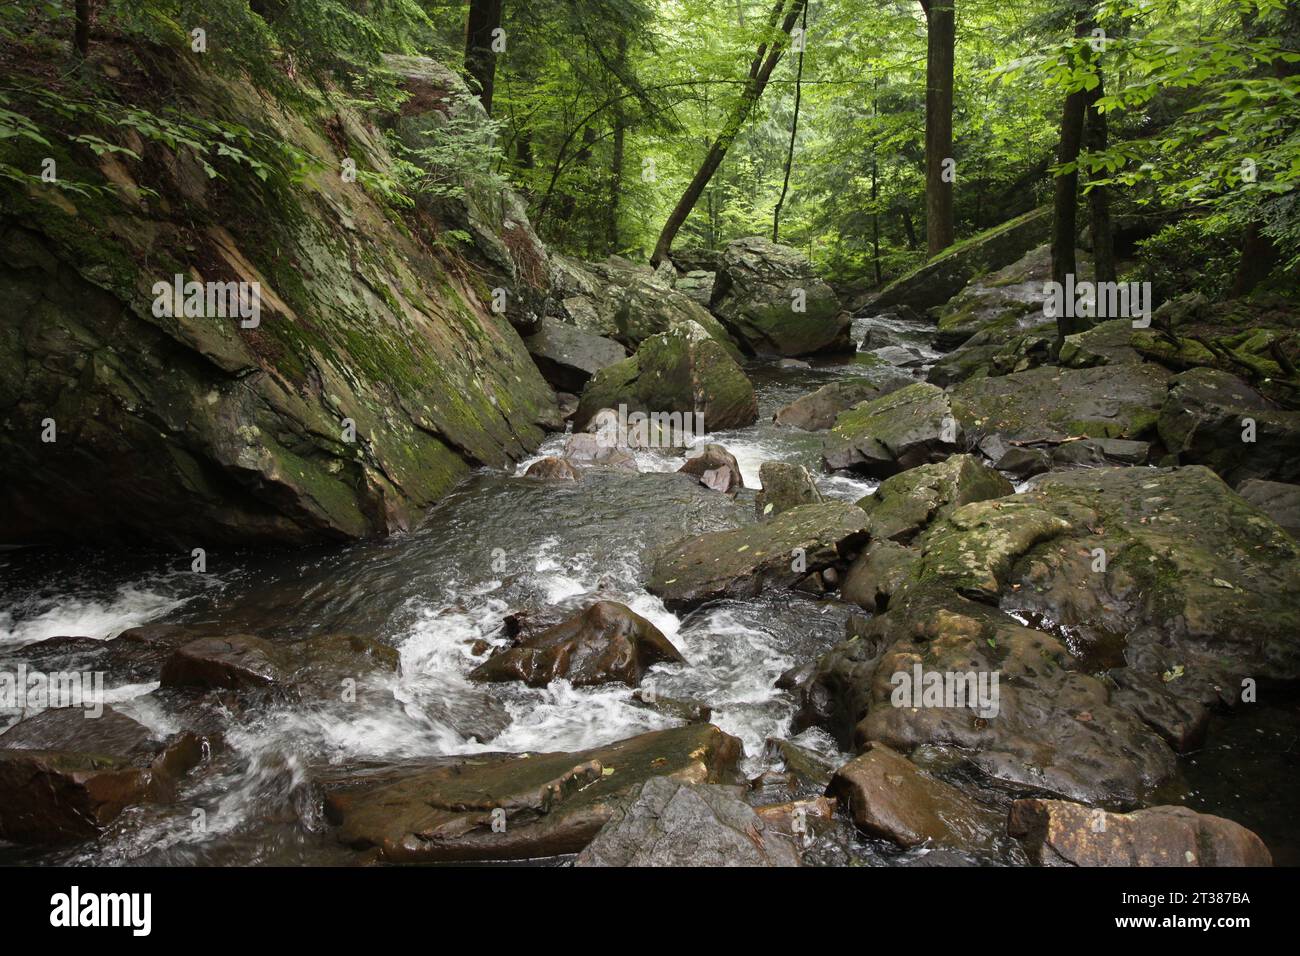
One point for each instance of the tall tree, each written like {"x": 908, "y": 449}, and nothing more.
{"x": 940, "y": 49}
{"x": 81, "y": 31}
{"x": 1096, "y": 138}
{"x": 794, "y": 128}
{"x": 481, "y": 26}
{"x": 1065, "y": 204}
{"x": 760, "y": 71}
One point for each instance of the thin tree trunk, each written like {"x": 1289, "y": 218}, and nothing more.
{"x": 1066, "y": 200}
{"x": 480, "y": 59}
{"x": 760, "y": 72}
{"x": 616, "y": 161}
{"x": 81, "y": 30}
{"x": 875, "y": 218}
{"x": 909, "y": 230}
{"x": 941, "y": 38}
{"x": 1103, "y": 234}
{"x": 794, "y": 129}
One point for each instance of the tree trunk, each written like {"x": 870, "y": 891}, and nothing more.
{"x": 1103, "y": 234}
{"x": 794, "y": 129}
{"x": 480, "y": 59}
{"x": 941, "y": 38}
{"x": 81, "y": 30}
{"x": 1066, "y": 200}
{"x": 1258, "y": 256}
{"x": 616, "y": 160}
{"x": 909, "y": 230}
{"x": 760, "y": 71}
{"x": 875, "y": 218}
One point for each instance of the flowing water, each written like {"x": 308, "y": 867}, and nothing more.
{"x": 498, "y": 543}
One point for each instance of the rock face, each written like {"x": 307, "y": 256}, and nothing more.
{"x": 210, "y": 430}
{"x": 670, "y": 823}
{"x": 1206, "y": 421}
{"x": 912, "y": 426}
{"x": 818, "y": 410}
{"x": 889, "y": 796}
{"x": 605, "y": 643}
{"x": 768, "y": 295}
{"x": 944, "y": 276}
{"x": 785, "y": 486}
{"x": 1052, "y": 404}
{"x": 684, "y": 370}
{"x": 443, "y": 809}
{"x": 569, "y": 357}
{"x": 1278, "y": 500}
{"x": 906, "y": 503}
{"x": 65, "y": 777}
{"x": 1058, "y": 833}
{"x": 742, "y": 563}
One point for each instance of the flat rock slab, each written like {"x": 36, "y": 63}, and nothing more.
{"x": 542, "y": 805}
{"x": 1052, "y": 404}
{"x": 1059, "y": 833}
{"x": 743, "y": 562}
{"x": 568, "y": 357}
{"x": 670, "y": 823}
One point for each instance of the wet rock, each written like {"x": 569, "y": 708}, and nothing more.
{"x": 327, "y": 665}
{"x": 1052, "y": 726}
{"x": 1058, "y": 833}
{"x": 906, "y": 503}
{"x": 235, "y": 662}
{"x": 1052, "y": 404}
{"x": 65, "y": 777}
{"x": 683, "y": 371}
{"x": 741, "y": 563}
{"x": 568, "y": 357}
{"x": 876, "y": 574}
{"x": 1278, "y": 500}
{"x": 811, "y": 771}
{"x": 715, "y": 467}
{"x": 888, "y": 796}
{"x": 799, "y": 819}
{"x": 685, "y": 709}
{"x": 756, "y": 292}
{"x": 818, "y": 410}
{"x": 942, "y": 277}
{"x": 552, "y": 469}
{"x": 912, "y": 426}
{"x": 669, "y": 823}
{"x": 1205, "y": 421}
{"x": 785, "y": 486}
{"x": 590, "y": 450}
{"x": 606, "y": 643}
{"x": 545, "y": 804}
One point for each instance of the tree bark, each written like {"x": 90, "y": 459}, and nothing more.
{"x": 760, "y": 71}
{"x": 794, "y": 130}
{"x": 1066, "y": 200}
{"x": 81, "y": 30}
{"x": 616, "y": 161}
{"x": 1103, "y": 234}
{"x": 941, "y": 38}
{"x": 480, "y": 59}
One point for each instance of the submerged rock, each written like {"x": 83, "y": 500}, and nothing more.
{"x": 65, "y": 777}
{"x": 683, "y": 371}
{"x": 542, "y": 804}
{"x": 606, "y": 643}
{"x": 1059, "y": 833}
{"x": 742, "y": 563}
{"x": 667, "y": 822}
{"x": 767, "y": 293}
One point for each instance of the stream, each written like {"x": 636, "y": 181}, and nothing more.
{"x": 499, "y": 542}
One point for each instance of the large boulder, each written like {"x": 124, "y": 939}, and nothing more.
{"x": 1212, "y": 418}
{"x": 683, "y": 370}
{"x": 912, "y": 426}
{"x": 606, "y": 643}
{"x": 906, "y": 503}
{"x": 1059, "y": 833}
{"x": 768, "y": 295}
{"x": 668, "y": 822}
{"x": 942, "y": 277}
{"x": 568, "y": 357}
{"x": 1279, "y": 500}
{"x": 742, "y": 563}
{"x": 205, "y": 430}
{"x": 514, "y": 806}
{"x": 818, "y": 410}
{"x": 65, "y": 777}
{"x": 1052, "y": 404}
